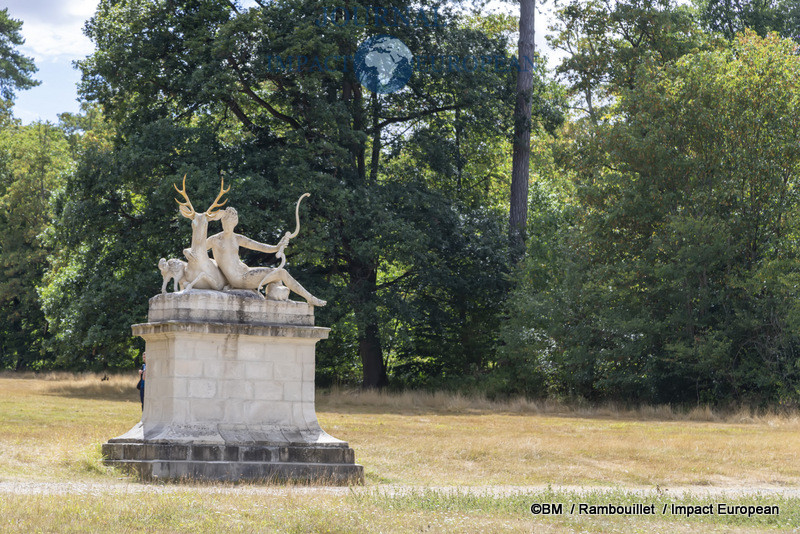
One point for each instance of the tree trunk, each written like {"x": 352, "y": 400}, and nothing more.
{"x": 369, "y": 347}
{"x": 518, "y": 219}
{"x": 364, "y": 286}
{"x": 363, "y": 271}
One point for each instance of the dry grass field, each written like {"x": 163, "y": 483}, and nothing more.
{"x": 433, "y": 462}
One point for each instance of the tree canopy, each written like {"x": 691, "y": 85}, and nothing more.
{"x": 660, "y": 260}
{"x": 403, "y": 235}
{"x": 730, "y": 17}
{"x": 15, "y": 69}
{"x": 34, "y": 160}
{"x": 679, "y": 265}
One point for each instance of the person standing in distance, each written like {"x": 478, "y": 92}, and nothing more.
{"x": 142, "y": 373}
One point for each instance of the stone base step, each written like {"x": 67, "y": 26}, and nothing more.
{"x": 230, "y": 453}
{"x": 312, "y": 463}
{"x": 182, "y": 470}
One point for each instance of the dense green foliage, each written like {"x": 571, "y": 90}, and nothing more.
{"x": 662, "y": 251}
{"x": 15, "y": 69}
{"x": 607, "y": 41}
{"x": 33, "y": 162}
{"x": 402, "y": 235}
{"x": 730, "y": 17}
{"x": 678, "y": 268}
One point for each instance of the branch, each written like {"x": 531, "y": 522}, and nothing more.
{"x": 392, "y": 282}
{"x": 260, "y": 101}
{"x": 418, "y": 115}
{"x": 376, "y": 141}
{"x": 234, "y": 107}
{"x": 274, "y": 112}
{"x": 189, "y": 111}
{"x": 403, "y": 133}
{"x": 116, "y": 204}
{"x": 127, "y": 215}
{"x": 488, "y": 176}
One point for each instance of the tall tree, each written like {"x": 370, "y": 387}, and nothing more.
{"x": 15, "y": 69}
{"x": 518, "y": 214}
{"x": 210, "y": 87}
{"x": 606, "y": 41}
{"x": 677, "y": 279}
{"x": 33, "y": 162}
{"x": 730, "y": 17}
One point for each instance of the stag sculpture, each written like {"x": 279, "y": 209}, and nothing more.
{"x": 226, "y": 270}
{"x": 200, "y": 268}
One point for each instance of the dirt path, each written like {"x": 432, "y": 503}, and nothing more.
{"x": 124, "y": 486}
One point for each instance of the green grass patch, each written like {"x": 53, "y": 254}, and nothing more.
{"x": 156, "y": 509}
{"x": 433, "y": 463}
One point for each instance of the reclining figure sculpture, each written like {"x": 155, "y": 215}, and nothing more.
{"x": 226, "y": 270}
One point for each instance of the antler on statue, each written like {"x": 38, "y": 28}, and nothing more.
{"x": 187, "y": 210}
{"x": 210, "y": 211}
{"x": 201, "y": 272}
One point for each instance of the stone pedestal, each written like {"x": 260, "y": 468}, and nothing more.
{"x": 230, "y": 393}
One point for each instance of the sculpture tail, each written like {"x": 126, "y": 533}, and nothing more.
{"x": 297, "y": 214}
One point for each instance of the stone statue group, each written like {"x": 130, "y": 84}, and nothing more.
{"x": 226, "y": 271}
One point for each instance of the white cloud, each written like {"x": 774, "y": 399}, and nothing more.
{"x": 53, "y": 28}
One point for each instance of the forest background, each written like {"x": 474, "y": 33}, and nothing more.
{"x": 660, "y": 258}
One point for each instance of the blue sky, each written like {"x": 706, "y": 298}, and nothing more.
{"x": 53, "y": 38}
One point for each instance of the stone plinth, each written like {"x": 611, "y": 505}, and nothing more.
{"x": 230, "y": 393}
